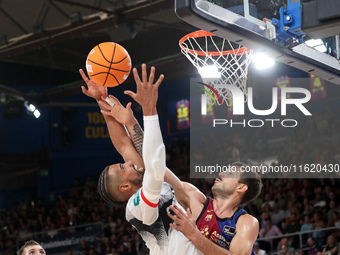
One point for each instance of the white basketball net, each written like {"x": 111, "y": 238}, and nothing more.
{"x": 213, "y": 55}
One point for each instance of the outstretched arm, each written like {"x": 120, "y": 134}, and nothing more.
{"x": 153, "y": 146}
{"x": 187, "y": 194}
{"x": 118, "y": 135}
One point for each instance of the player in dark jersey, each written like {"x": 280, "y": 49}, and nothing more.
{"x": 221, "y": 219}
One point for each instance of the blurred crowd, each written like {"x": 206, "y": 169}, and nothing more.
{"x": 284, "y": 206}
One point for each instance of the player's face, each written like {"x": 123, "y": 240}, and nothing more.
{"x": 34, "y": 250}
{"x": 226, "y": 183}
{"x": 126, "y": 170}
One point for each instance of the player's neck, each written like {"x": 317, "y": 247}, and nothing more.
{"x": 225, "y": 207}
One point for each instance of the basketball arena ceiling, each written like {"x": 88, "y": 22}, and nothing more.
{"x": 58, "y": 34}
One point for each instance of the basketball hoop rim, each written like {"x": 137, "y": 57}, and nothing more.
{"x": 202, "y": 33}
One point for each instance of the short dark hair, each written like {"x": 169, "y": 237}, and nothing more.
{"x": 28, "y": 243}
{"x": 252, "y": 179}
{"x": 102, "y": 189}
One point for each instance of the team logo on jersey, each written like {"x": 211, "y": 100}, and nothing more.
{"x": 205, "y": 230}
{"x": 136, "y": 199}
{"x": 230, "y": 231}
{"x": 208, "y": 217}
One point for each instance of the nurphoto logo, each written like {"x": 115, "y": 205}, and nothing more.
{"x": 237, "y": 97}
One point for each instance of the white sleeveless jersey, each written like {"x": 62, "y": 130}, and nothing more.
{"x": 152, "y": 223}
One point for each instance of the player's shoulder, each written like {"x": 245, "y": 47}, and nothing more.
{"x": 247, "y": 220}
{"x": 194, "y": 192}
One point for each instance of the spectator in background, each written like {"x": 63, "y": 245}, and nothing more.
{"x": 113, "y": 251}
{"x": 278, "y": 215}
{"x": 258, "y": 203}
{"x": 313, "y": 247}
{"x": 268, "y": 201}
{"x": 303, "y": 195}
{"x": 31, "y": 247}
{"x": 92, "y": 251}
{"x": 300, "y": 252}
{"x": 269, "y": 230}
{"x": 306, "y": 207}
{"x": 84, "y": 248}
{"x": 280, "y": 200}
{"x": 292, "y": 223}
{"x": 318, "y": 223}
{"x": 285, "y": 248}
{"x": 306, "y": 226}
{"x": 332, "y": 195}
{"x": 332, "y": 208}
{"x": 318, "y": 201}
{"x": 290, "y": 207}
{"x": 266, "y": 214}
{"x": 129, "y": 249}
{"x": 293, "y": 226}
{"x": 336, "y": 219}
{"x": 331, "y": 247}
{"x": 257, "y": 249}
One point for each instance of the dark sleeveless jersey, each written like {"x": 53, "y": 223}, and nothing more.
{"x": 220, "y": 231}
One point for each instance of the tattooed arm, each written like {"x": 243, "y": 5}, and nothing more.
{"x": 125, "y": 117}
{"x": 136, "y": 133}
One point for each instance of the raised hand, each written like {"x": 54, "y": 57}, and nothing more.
{"x": 93, "y": 89}
{"x": 147, "y": 90}
{"x": 184, "y": 223}
{"x": 118, "y": 111}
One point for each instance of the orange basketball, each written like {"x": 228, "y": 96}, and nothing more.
{"x": 108, "y": 64}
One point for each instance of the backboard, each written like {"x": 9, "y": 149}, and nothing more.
{"x": 279, "y": 28}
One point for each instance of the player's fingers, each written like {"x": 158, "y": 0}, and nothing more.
{"x": 177, "y": 211}
{"x": 106, "y": 113}
{"x": 128, "y": 106}
{"x": 110, "y": 100}
{"x": 159, "y": 81}
{"x": 83, "y": 75}
{"x": 136, "y": 77}
{"x": 144, "y": 73}
{"x": 130, "y": 93}
{"x": 104, "y": 105}
{"x": 174, "y": 226}
{"x": 152, "y": 75}
{"x": 189, "y": 213}
{"x": 115, "y": 99}
{"x": 84, "y": 90}
{"x": 175, "y": 219}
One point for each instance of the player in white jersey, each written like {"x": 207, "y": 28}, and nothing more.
{"x": 147, "y": 210}
{"x": 147, "y": 206}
